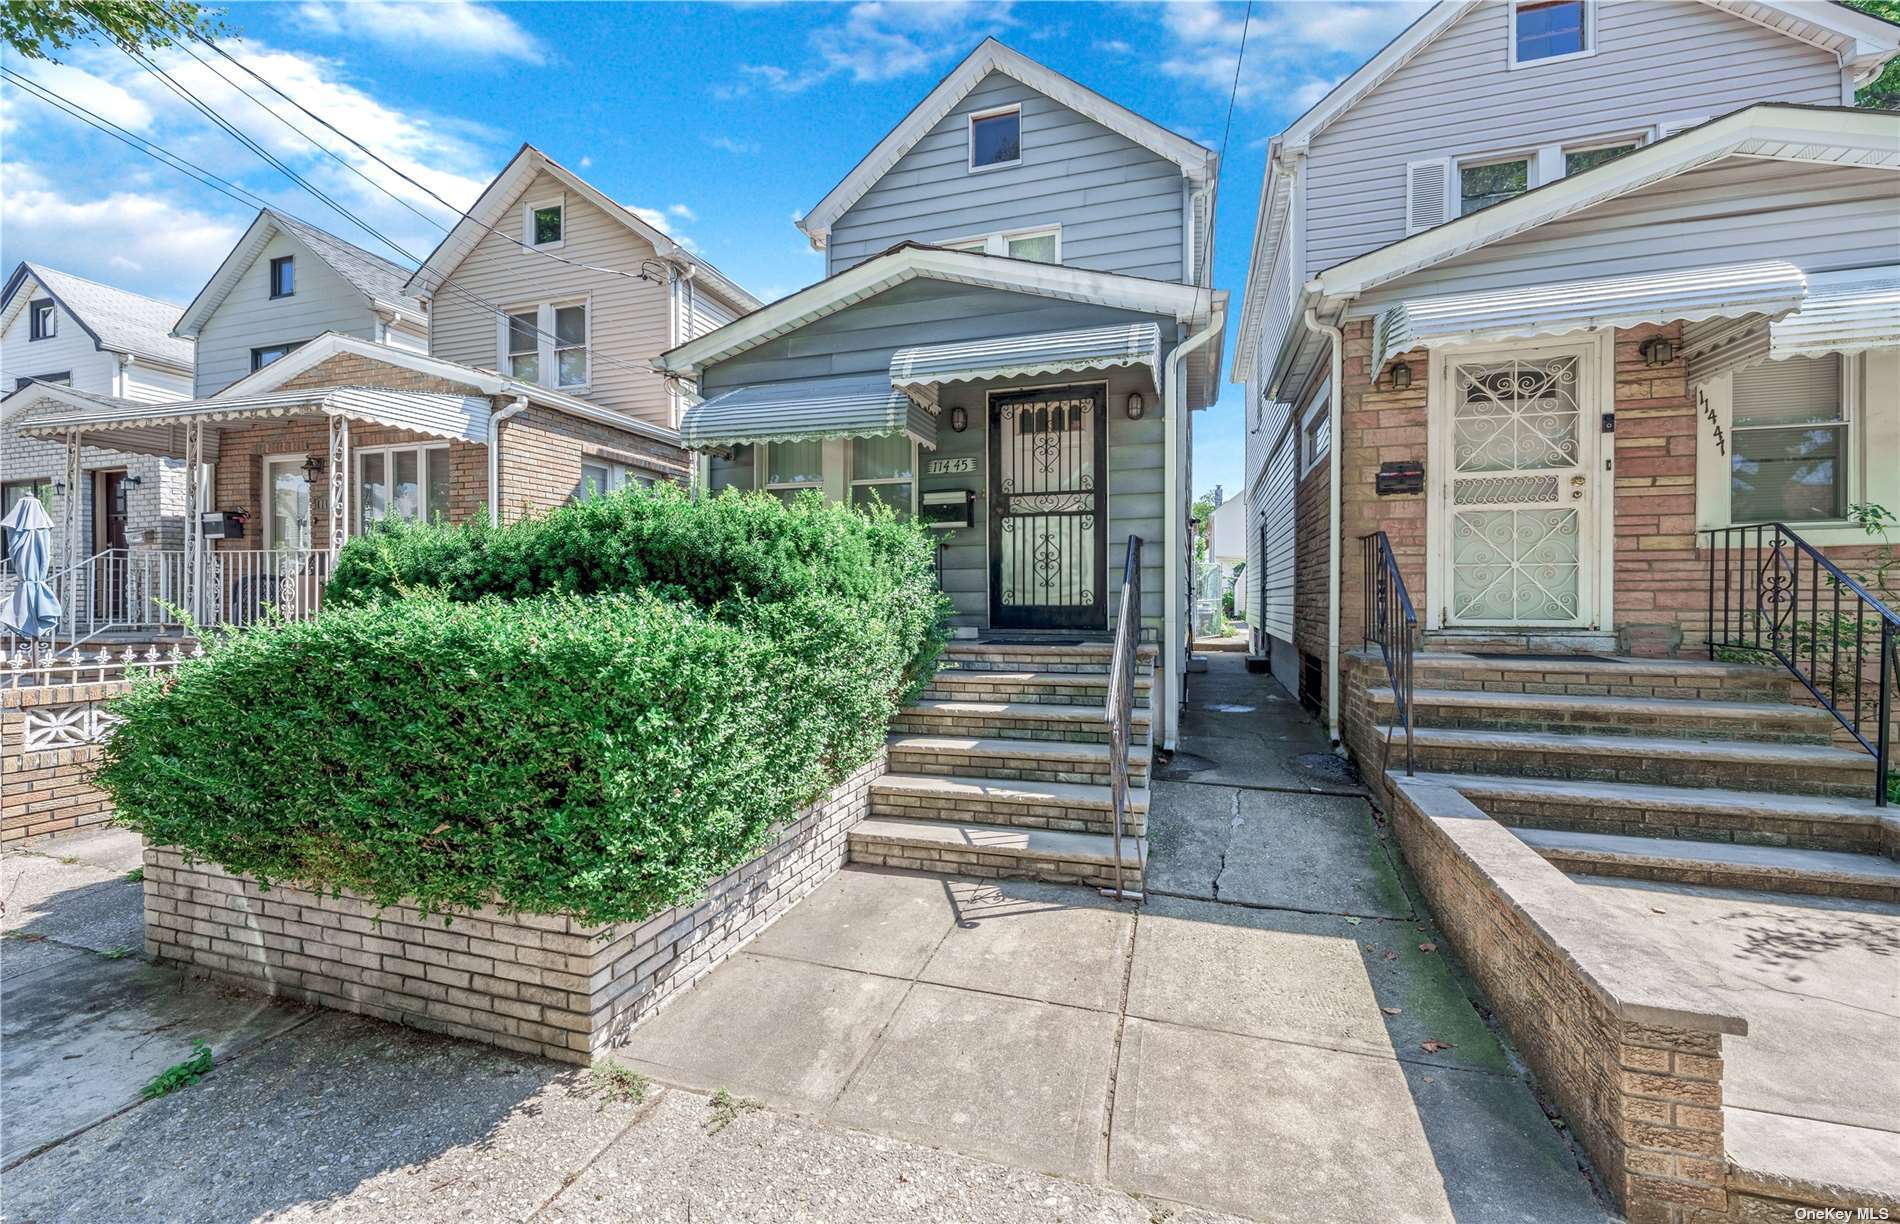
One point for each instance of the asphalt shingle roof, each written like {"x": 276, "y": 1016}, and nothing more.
{"x": 125, "y": 322}
{"x": 371, "y": 274}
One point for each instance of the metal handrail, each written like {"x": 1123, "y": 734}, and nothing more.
{"x": 1754, "y": 595}
{"x": 1118, "y": 709}
{"x": 1386, "y": 602}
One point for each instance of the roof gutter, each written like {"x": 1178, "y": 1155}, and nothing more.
{"x": 519, "y": 406}
{"x": 1174, "y": 559}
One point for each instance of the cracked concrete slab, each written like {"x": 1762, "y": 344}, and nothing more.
{"x": 1309, "y": 852}
{"x": 81, "y": 902}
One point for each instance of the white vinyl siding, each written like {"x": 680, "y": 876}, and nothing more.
{"x": 1459, "y": 98}
{"x": 70, "y": 350}
{"x": 250, "y": 318}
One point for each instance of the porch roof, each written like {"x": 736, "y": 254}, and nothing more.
{"x": 919, "y": 371}
{"x": 1771, "y": 289}
{"x": 157, "y": 429}
{"x": 1848, "y": 311}
{"x": 806, "y": 409}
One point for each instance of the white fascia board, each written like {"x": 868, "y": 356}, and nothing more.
{"x": 1196, "y": 160}
{"x": 1775, "y": 131}
{"x": 1375, "y": 71}
{"x": 1864, "y": 43}
{"x": 875, "y": 275}
{"x": 1270, "y": 231}
{"x": 242, "y": 255}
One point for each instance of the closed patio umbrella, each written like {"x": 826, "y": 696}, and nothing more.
{"x": 32, "y": 610}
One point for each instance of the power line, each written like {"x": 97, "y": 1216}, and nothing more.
{"x": 1240, "y": 58}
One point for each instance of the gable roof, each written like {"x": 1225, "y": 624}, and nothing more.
{"x": 911, "y": 260}
{"x": 377, "y": 279}
{"x": 118, "y": 320}
{"x": 488, "y": 213}
{"x": 1864, "y": 44}
{"x": 1197, "y": 161}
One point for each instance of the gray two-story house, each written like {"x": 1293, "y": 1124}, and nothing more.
{"x": 1016, "y": 326}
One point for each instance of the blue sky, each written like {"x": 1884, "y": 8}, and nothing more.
{"x": 724, "y": 120}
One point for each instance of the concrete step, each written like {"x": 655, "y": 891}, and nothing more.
{"x": 1609, "y": 675}
{"x": 1083, "y": 724}
{"x": 996, "y": 852}
{"x": 1806, "y": 822}
{"x": 1567, "y": 714}
{"x": 1080, "y": 657}
{"x": 1779, "y": 1162}
{"x": 1795, "y": 769}
{"x": 1063, "y": 806}
{"x": 1863, "y": 877}
{"x": 1053, "y": 688}
{"x": 1016, "y": 760}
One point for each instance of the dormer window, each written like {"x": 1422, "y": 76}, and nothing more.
{"x": 43, "y": 320}
{"x": 283, "y": 276}
{"x": 545, "y": 224}
{"x": 996, "y": 139}
{"x": 1543, "y": 31}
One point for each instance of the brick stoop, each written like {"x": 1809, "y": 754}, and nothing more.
{"x": 1001, "y": 769}
{"x": 1863, "y": 877}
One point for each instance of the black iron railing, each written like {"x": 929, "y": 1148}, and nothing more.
{"x": 1118, "y": 710}
{"x": 1391, "y": 622}
{"x": 1774, "y": 595}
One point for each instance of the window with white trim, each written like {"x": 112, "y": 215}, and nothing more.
{"x": 1042, "y": 244}
{"x": 43, "y": 320}
{"x": 544, "y": 223}
{"x": 791, "y": 467}
{"x": 1579, "y": 158}
{"x": 601, "y": 476}
{"x": 1484, "y": 183}
{"x": 1788, "y": 438}
{"x": 996, "y": 138}
{"x": 1545, "y": 31}
{"x": 883, "y": 469}
{"x": 1316, "y": 432}
{"x": 405, "y": 482}
{"x": 547, "y": 344}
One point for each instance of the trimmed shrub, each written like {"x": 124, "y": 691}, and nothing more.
{"x": 726, "y": 554}
{"x": 603, "y": 757}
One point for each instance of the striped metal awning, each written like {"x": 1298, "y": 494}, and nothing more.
{"x": 157, "y": 429}
{"x": 1769, "y": 289}
{"x": 1850, "y": 311}
{"x": 859, "y": 406}
{"x": 920, "y": 371}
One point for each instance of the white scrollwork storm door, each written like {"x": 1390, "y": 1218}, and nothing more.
{"x": 1047, "y": 514}
{"x": 1518, "y": 496}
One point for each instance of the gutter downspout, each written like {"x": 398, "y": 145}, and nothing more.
{"x": 1334, "y": 544}
{"x": 519, "y": 406}
{"x": 1173, "y": 645}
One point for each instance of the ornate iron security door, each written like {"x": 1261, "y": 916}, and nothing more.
{"x": 1520, "y": 500}
{"x": 1048, "y": 511}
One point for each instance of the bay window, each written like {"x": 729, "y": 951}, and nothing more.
{"x": 1789, "y": 442}
{"x": 406, "y": 482}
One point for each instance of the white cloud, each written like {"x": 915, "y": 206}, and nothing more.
{"x": 586, "y": 161}
{"x": 1284, "y": 43}
{"x": 682, "y": 212}
{"x": 731, "y": 145}
{"x": 434, "y": 26}
{"x": 880, "y": 40}
{"x": 664, "y": 221}
{"x": 1114, "y": 46}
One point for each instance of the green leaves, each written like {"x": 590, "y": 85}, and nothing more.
{"x": 597, "y": 752}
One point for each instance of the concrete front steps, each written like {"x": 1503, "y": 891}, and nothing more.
{"x": 1577, "y": 714}
{"x": 1863, "y": 877}
{"x": 1608, "y": 676}
{"x": 1001, "y": 770}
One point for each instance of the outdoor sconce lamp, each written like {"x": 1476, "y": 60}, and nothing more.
{"x": 312, "y": 468}
{"x": 134, "y": 481}
{"x": 1401, "y": 376}
{"x": 59, "y": 487}
{"x": 1657, "y": 351}
{"x": 959, "y": 419}
{"x": 1136, "y": 409}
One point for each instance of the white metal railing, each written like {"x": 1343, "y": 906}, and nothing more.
{"x": 1118, "y": 712}
{"x": 21, "y": 669}
{"x": 245, "y": 586}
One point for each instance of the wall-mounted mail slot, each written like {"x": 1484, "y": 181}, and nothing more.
{"x": 948, "y": 508}
{"x": 1400, "y": 476}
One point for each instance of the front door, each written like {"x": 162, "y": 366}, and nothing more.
{"x": 108, "y": 539}
{"x": 1519, "y": 502}
{"x": 1048, "y": 509}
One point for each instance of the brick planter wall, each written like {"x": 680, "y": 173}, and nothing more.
{"x": 545, "y": 984}
{"x": 49, "y": 790}
{"x": 1632, "y": 1056}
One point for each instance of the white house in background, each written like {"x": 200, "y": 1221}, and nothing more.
{"x": 1526, "y": 194}
{"x": 1227, "y": 545}
{"x": 111, "y": 345}
{"x": 286, "y": 283}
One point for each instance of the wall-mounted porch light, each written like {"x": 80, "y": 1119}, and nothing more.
{"x": 134, "y": 481}
{"x": 1657, "y": 351}
{"x": 1401, "y": 375}
{"x": 959, "y": 419}
{"x": 1136, "y": 408}
{"x": 313, "y": 466}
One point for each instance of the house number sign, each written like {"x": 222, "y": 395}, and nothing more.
{"x": 950, "y": 467}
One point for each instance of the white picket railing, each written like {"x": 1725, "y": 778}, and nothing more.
{"x": 20, "y": 668}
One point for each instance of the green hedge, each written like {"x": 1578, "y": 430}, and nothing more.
{"x": 595, "y": 712}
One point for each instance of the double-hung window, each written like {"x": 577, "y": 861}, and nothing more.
{"x": 791, "y": 467}
{"x": 43, "y": 320}
{"x": 547, "y": 344}
{"x": 1789, "y": 442}
{"x": 882, "y": 469}
{"x": 599, "y": 476}
{"x": 405, "y": 482}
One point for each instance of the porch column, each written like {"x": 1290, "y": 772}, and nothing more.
{"x": 69, "y": 521}
{"x": 339, "y": 484}
{"x": 191, "y": 565}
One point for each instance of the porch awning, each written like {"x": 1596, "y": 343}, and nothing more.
{"x": 859, "y": 406}
{"x": 1769, "y": 289}
{"x": 157, "y": 429}
{"x": 1845, "y": 312}
{"x": 920, "y": 371}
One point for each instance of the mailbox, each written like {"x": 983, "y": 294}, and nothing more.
{"x": 221, "y": 525}
{"x": 1400, "y": 476}
{"x": 948, "y": 509}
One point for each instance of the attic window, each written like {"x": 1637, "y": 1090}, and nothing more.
{"x": 43, "y": 320}
{"x": 996, "y": 139}
{"x": 1543, "y": 31}
{"x": 283, "y": 276}
{"x": 546, "y": 224}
